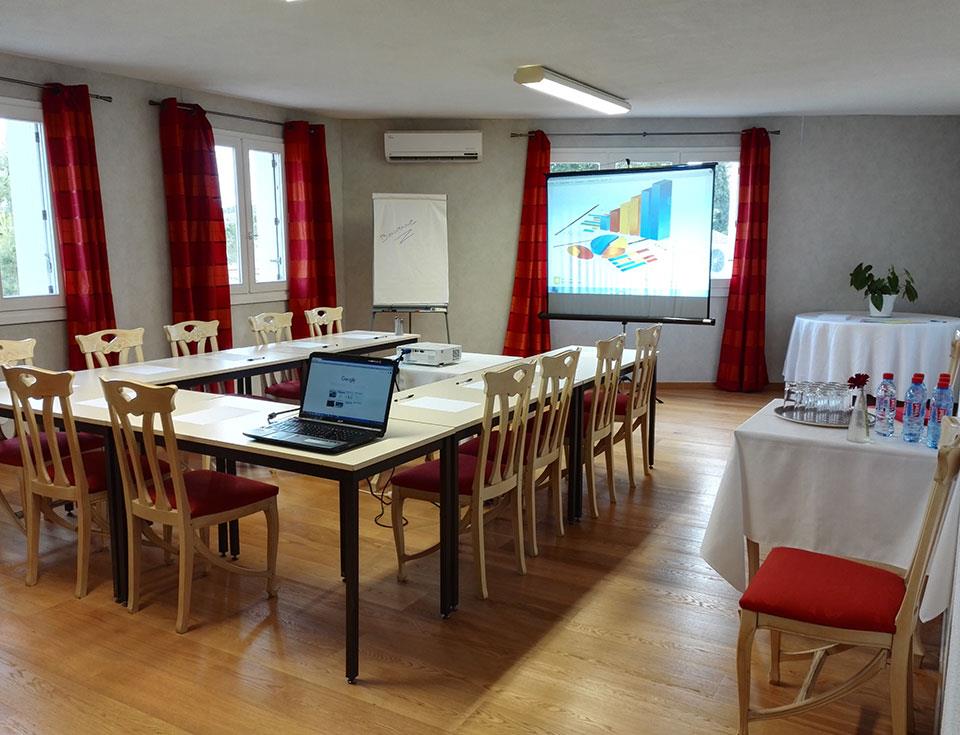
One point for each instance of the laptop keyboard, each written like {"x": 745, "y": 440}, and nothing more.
{"x": 330, "y": 432}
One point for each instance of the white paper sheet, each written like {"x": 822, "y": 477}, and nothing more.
{"x": 239, "y": 402}
{"x": 357, "y": 334}
{"x": 93, "y": 403}
{"x": 144, "y": 369}
{"x": 447, "y": 405}
{"x": 211, "y": 415}
{"x": 477, "y": 384}
{"x": 311, "y": 345}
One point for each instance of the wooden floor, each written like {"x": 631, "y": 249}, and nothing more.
{"x": 620, "y": 627}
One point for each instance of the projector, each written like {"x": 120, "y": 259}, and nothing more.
{"x": 431, "y": 353}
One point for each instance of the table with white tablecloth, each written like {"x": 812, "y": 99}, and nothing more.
{"x": 412, "y": 376}
{"x": 833, "y": 346}
{"x": 807, "y": 487}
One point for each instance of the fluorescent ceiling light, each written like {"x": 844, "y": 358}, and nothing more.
{"x": 549, "y": 82}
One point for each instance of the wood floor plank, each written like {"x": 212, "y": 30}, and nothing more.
{"x": 618, "y": 627}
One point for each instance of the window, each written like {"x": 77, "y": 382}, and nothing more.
{"x": 250, "y": 170}
{"x": 29, "y": 262}
{"x": 726, "y": 190}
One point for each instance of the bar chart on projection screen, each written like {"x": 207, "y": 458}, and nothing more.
{"x": 410, "y": 264}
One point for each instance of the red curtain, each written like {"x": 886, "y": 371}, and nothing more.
{"x": 311, "y": 271}
{"x": 743, "y": 366}
{"x": 527, "y": 334}
{"x": 198, "y": 240}
{"x": 78, "y": 212}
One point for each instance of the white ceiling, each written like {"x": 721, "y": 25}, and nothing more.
{"x": 455, "y": 58}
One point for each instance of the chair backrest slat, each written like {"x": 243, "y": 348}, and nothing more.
{"x": 198, "y": 335}
{"x": 132, "y": 403}
{"x": 606, "y": 384}
{"x": 955, "y": 359}
{"x": 17, "y": 351}
{"x": 506, "y": 431}
{"x": 97, "y": 346}
{"x": 557, "y": 375}
{"x": 324, "y": 320}
{"x": 944, "y": 481}
{"x": 644, "y": 364}
{"x": 38, "y": 396}
{"x": 272, "y": 327}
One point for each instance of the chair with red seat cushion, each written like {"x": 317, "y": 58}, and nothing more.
{"x": 599, "y": 418}
{"x": 634, "y": 412}
{"x": 496, "y": 479}
{"x": 845, "y": 603}
{"x": 11, "y": 453}
{"x": 191, "y": 503}
{"x": 97, "y": 347}
{"x": 324, "y": 320}
{"x": 53, "y": 470}
{"x": 273, "y": 328}
{"x": 288, "y": 390}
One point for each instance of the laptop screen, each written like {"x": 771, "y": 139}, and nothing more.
{"x": 348, "y": 390}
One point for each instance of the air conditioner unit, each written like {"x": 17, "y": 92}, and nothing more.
{"x": 432, "y": 146}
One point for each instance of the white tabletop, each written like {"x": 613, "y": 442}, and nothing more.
{"x": 458, "y": 402}
{"x": 787, "y": 484}
{"x": 412, "y": 375}
{"x": 832, "y": 346}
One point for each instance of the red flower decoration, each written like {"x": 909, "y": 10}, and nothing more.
{"x": 858, "y": 381}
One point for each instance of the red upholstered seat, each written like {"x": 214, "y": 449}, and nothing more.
{"x": 95, "y": 465}
{"x": 212, "y": 492}
{"x": 426, "y": 476}
{"x": 10, "y": 448}
{"x": 623, "y": 400}
{"x": 289, "y": 389}
{"x": 825, "y": 590}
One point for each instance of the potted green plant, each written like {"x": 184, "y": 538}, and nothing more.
{"x": 882, "y": 292}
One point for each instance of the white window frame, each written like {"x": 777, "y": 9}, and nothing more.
{"x": 249, "y": 291}
{"x": 31, "y": 309}
{"x": 676, "y": 156}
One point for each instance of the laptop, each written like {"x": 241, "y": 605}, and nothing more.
{"x": 344, "y": 403}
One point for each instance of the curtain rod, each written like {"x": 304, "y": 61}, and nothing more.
{"x": 643, "y": 134}
{"x": 25, "y": 83}
{"x": 156, "y": 103}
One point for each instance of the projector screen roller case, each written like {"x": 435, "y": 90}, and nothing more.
{"x": 630, "y": 244}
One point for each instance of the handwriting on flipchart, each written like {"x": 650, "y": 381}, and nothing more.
{"x": 401, "y": 233}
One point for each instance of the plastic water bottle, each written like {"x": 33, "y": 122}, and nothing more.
{"x": 914, "y": 406}
{"x": 941, "y": 404}
{"x": 886, "y": 409}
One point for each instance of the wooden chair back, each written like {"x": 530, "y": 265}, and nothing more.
{"x": 17, "y": 351}
{"x": 505, "y": 429}
{"x": 135, "y": 405}
{"x": 98, "y": 345}
{"x": 606, "y": 384}
{"x": 200, "y": 336}
{"x": 38, "y": 396}
{"x": 273, "y": 327}
{"x": 944, "y": 480}
{"x": 644, "y": 364}
{"x": 557, "y": 375}
{"x": 324, "y": 320}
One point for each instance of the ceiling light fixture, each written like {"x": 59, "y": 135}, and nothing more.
{"x": 550, "y": 82}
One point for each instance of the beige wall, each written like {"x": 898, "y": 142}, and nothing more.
{"x": 843, "y": 189}
{"x": 131, "y": 180}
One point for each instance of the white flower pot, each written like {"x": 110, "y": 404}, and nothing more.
{"x": 887, "y": 310}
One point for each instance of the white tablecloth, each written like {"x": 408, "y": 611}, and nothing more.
{"x": 412, "y": 376}
{"x": 787, "y": 484}
{"x": 834, "y": 346}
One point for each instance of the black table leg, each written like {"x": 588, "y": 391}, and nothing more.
{"x": 222, "y": 538}
{"x": 652, "y": 423}
{"x": 449, "y": 527}
{"x": 575, "y": 456}
{"x": 350, "y": 561}
{"x": 117, "y": 518}
{"x": 234, "y": 525}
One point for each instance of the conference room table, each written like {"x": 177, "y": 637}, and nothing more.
{"x": 213, "y": 424}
